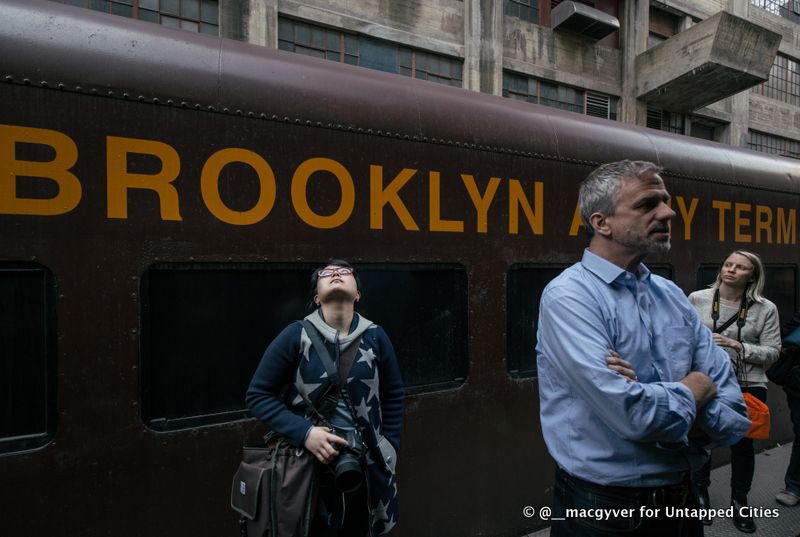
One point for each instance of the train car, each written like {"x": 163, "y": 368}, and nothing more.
{"x": 163, "y": 197}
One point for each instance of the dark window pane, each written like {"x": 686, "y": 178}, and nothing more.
{"x": 121, "y": 9}
{"x": 318, "y": 38}
{"x": 190, "y": 9}
{"x": 781, "y": 288}
{"x": 379, "y": 55}
{"x": 150, "y": 16}
{"x": 169, "y": 22}
{"x": 333, "y": 41}
{"x": 302, "y": 33}
{"x": 351, "y": 44}
{"x": 285, "y": 29}
{"x": 205, "y": 327}
{"x": 209, "y": 11}
{"x": 170, "y": 6}
{"x": 210, "y": 29}
{"x": 99, "y": 5}
{"x": 423, "y": 309}
{"x": 27, "y": 363}
{"x": 525, "y": 286}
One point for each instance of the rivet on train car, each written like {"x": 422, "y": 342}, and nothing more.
{"x": 156, "y": 100}
{"x": 184, "y": 104}
{"x": 225, "y": 110}
{"x": 169, "y": 102}
{"x": 125, "y": 95}
{"x": 197, "y": 106}
{"x": 210, "y": 108}
{"x": 9, "y": 78}
{"x": 140, "y": 98}
{"x": 238, "y": 112}
{"x": 26, "y": 80}
{"x": 263, "y": 115}
{"x": 94, "y": 91}
{"x": 250, "y": 114}
{"x": 78, "y": 88}
{"x": 110, "y": 93}
{"x": 43, "y": 83}
{"x": 133, "y": 331}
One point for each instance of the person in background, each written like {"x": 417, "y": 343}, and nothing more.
{"x": 620, "y": 432}
{"x": 745, "y": 325}
{"x": 790, "y": 496}
{"x": 291, "y": 374}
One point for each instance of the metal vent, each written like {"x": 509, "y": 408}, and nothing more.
{"x": 582, "y": 19}
{"x": 598, "y": 105}
{"x": 654, "y": 117}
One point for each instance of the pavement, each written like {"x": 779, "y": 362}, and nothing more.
{"x": 770, "y": 468}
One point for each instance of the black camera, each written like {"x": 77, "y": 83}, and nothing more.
{"x": 347, "y": 466}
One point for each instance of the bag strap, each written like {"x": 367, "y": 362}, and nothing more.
{"x": 322, "y": 351}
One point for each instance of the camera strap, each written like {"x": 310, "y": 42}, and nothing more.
{"x": 337, "y": 375}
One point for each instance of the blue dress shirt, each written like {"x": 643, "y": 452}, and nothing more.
{"x": 597, "y": 425}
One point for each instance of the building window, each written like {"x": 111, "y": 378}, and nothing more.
{"x": 28, "y": 360}
{"x": 666, "y": 121}
{"x": 192, "y": 15}
{"x": 527, "y": 10}
{"x": 777, "y": 145}
{"x": 788, "y": 9}
{"x": 532, "y": 90}
{"x": 784, "y": 81}
{"x": 338, "y": 46}
{"x": 663, "y": 25}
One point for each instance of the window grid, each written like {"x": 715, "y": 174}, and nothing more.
{"x": 784, "y": 81}
{"x": 342, "y": 47}
{"x": 532, "y": 90}
{"x": 777, "y": 145}
{"x": 527, "y": 10}
{"x": 788, "y": 9}
{"x": 666, "y": 121}
{"x": 192, "y": 15}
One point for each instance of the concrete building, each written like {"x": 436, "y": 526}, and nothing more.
{"x": 725, "y": 70}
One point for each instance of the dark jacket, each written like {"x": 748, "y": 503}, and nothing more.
{"x": 376, "y": 391}
{"x": 792, "y": 383}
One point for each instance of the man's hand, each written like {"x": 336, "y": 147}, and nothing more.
{"x": 703, "y": 388}
{"x": 623, "y": 367}
{"x": 321, "y": 441}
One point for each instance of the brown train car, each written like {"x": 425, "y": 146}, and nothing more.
{"x": 163, "y": 197}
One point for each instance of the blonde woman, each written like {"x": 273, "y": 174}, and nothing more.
{"x": 746, "y": 326}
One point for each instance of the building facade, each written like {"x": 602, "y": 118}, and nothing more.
{"x": 723, "y": 70}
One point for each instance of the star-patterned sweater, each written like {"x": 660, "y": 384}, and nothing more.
{"x": 376, "y": 391}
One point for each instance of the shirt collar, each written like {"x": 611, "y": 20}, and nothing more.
{"x": 608, "y": 271}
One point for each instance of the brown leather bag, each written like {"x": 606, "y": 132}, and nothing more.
{"x": 275, "y": 490}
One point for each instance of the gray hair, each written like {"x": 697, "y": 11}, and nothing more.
{"x": 599, "y": 192}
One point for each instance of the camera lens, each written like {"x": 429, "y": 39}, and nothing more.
{"x": 348, "y": 472}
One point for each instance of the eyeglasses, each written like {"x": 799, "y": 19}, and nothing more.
{"x": 341, "y": 271}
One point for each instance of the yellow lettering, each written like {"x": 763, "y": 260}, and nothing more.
{"x": 763, "y": 224}
{"x": 209, "y": 186}
{"x": 721, "y": 206}
{"x": 57, "y": 170}
{"x": 576, "y": 224}
{"x": 740, "y": 221}
{"x": 120, "y": 180}
{"x": 300, "y": 201}
{"x": 379, "y": 197}
{"x": 687, "y": 215}
{"x": 435, "y": 205}
{"x": 517, "y": 198}
{"x": 787, "y": 226}
{"x": 483, "y": 202}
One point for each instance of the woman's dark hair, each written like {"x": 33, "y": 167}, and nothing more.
{"x": 312, "y": 291}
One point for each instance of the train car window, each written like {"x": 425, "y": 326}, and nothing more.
{"x": 780, "y": 286}
{"x": 524, "y": 288}
{"x": 423, "y": 309}
{"x": 28, "y": 360}
{"x": 205, "y": 327}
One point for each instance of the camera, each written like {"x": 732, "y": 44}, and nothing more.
{"x": 347, "y": 466}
